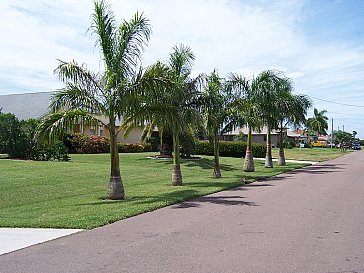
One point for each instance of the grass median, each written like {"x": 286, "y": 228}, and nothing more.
{"x": 72, "y": 194}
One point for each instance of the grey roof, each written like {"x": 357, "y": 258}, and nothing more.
{"x": 28, "y": 105}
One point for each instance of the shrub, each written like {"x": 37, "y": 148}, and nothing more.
{"x": 57, "y": 151}
{"x": 288, "y": 144}
{"x": 85, "y": 144}
{"x": 151, "y": 144}
{"x": 13, "y": 140}
{"x": 130, "y": 148}
{"x": 148, "y": 147}
{"x": 230, "y": 149}
{"x": 17, "y": 140}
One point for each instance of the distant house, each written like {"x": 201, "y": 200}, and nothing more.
{"x": 304, "y": 139}
{"x": 35, "y": 105}
{"x": 261, "y": 137}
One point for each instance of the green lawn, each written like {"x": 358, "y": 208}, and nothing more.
{"x": 72, "y": 194}
{"x": 311, "y": 154}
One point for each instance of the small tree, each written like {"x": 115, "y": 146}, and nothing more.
{"x": 342, "y": 137}
{"x": 318, "y": 122}
{"x": 13, "y": 140}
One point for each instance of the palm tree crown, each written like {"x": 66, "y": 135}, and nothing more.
{"x": 110, "y": 94}
{"x": 319, "y": 122}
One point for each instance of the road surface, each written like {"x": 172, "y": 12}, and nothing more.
{"x": 309, "y": 220}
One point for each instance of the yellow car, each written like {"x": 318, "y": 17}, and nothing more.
{"x": 319, "y": 143}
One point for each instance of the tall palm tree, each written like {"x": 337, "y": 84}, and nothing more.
{"x": 319, "y": 122}
{"x": 111, "y": 94}
{"x": 172, "y": 106}
{"x": 291, "y": 110}
{"x": 214, "y": 103}
{"x": 245, "y": 112}
{"x": 265, "y": 96}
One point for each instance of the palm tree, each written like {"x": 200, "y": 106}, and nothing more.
{"x": 172, "y": 106}
{"x": 245, "y": 112}
{"x": 110, "y": 94}
{"x": 214, "y": 104}
{"x": 265, "y": 96}
{"x": 318, "y": 122}
{"x": 291, "y": 109}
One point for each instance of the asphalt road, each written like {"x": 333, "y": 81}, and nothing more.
{"x": 310, "y": 220}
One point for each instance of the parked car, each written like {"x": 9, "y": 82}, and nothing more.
{"x": 355, "y": 146}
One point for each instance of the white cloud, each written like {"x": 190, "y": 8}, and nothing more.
{"x": 230, "y": 35}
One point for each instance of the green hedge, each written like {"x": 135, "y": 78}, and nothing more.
{"x": 230, "y": 149}
{"x": 131, "y": 148}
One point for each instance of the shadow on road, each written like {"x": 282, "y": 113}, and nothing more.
{"x": 319, "y": 169}
{"x": 220, "y": 200}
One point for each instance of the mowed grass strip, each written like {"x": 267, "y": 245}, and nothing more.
{"x": 72, "y": 194}
{"x": 311, "y": 154}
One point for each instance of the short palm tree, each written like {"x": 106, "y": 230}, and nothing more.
{"x": 318, "y": 122}
{"x": 108, "y": 96}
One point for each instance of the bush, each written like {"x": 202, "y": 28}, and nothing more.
{"x": 57, "y": 151}
{"x": 148, "y": 147}
{"x": 17, "y": 140}
{"x": 85, "y": 144}
{"x": 131, "y": 148}
{"x": 288, "y": 144}
{"x": 13, "y": 140}
{"x": 152, "y": 144}
{"x": 230, "y": 149}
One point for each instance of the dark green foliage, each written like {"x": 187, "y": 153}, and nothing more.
{"x": 230, "y": 149}
{"x": 57, "y": 151}
{"x": 187, "y": 144}
{"x": 18, "y": 141}
{"x": 288, "y": 144}
{"x": 149, "y": 148}
{"x": 13, "y": 140}
{"x": 130, "y": 148}
{"x": 152, "y": 144}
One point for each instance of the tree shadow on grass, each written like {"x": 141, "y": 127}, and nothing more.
{"x": 208, "y": 164}
{"x": 203, "y": 163}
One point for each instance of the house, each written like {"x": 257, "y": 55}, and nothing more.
{"x": 261, "y": 137}
{"x": 35, "y": 105}
{"x": 304, "y": 139}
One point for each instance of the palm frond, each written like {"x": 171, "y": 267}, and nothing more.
{"x": 56, "y": 125}
{"x": 103, "y": 24}
{"x": 131, "y": 38}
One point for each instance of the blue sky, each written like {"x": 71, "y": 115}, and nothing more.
{"x": 319, "y": 43}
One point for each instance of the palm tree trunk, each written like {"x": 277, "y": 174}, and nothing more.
{"x": 115, "y": 188}
{"x": 268, "y": 157}
{"x": 176, "y": 172}
{"x": 217, "y": 171}
{"x": 249, "y": 162}
{"x": 281, "y": 158}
